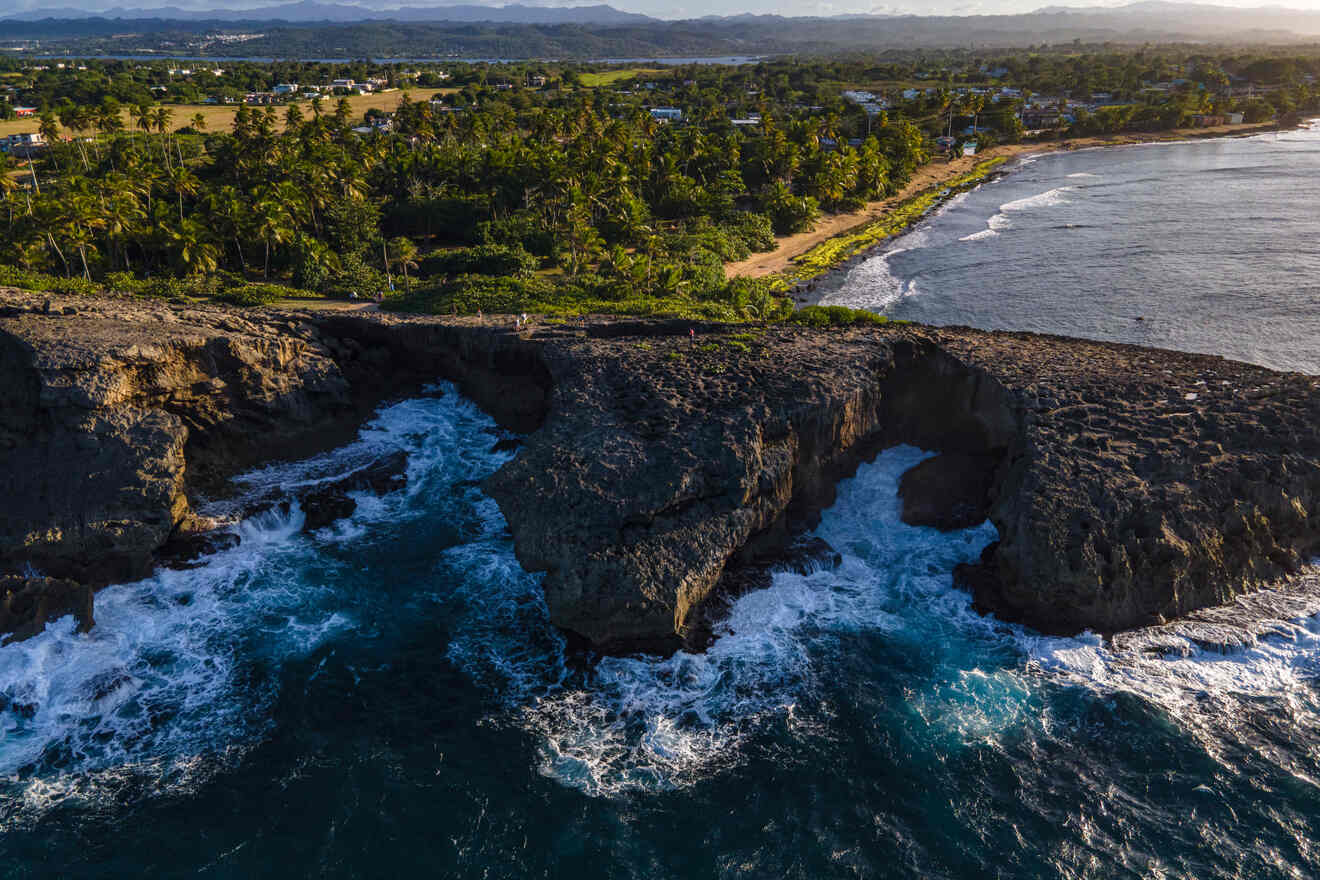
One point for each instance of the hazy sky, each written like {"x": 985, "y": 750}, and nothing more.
{"x": 687, "y": 8}
{"x": 691, "y": 9}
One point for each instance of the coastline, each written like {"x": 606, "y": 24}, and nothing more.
{"x": 800, "y": 250}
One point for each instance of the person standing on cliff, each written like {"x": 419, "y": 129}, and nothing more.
{"x": 692, "y": 336}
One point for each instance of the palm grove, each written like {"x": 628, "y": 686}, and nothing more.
{"x": 507, "y": 198}
{"x": 518, "y": 198}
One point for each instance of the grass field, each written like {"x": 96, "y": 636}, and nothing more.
{"x": 220, "y": 118}
{"x": 609, "y": 77}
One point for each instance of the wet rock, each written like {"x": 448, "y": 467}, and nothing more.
{"x": 948, "y": 492}
{"x": 189, "y": 550}
{"x": 332, "y": 501}
{"x": 27, "y": 604}
{"x": 1133, "y": 486}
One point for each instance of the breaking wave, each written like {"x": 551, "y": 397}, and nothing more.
{"x": 1048, "y": 199}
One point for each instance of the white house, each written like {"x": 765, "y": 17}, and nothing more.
{"x": 286, "y": 88}
{"x": 666, "y": 114}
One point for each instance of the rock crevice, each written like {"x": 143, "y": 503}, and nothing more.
{"x": 658, "y": 476}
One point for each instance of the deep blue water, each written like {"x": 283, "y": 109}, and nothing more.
{"x": 1211, "y": 246}
{"x": 385, "y": 698}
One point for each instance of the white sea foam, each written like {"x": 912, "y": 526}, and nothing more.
{"x": 1082, "y": 175}
{"x": 872, "y": 284}
{"x": 980, "y": 236}
{"x": 1047, "y": 199}
{"x": 175, "y": 681}
{"x": 647, "y": 724}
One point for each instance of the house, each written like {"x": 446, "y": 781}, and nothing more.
{"x": 342, "y": 84}
{"x": 25, "y": 111}
{"x": 537, "y": 81}
{"x": 969, "y": 148}
{"x": 750, "y": 121}
{"x": 23, "y": 145}
{"x": 1234, "y": 118}
{"x": 1041, "y": 117}
{"x": 284, "y": 89}
{"x": 1206, "y": 120}
{"x": 666, "y": 114}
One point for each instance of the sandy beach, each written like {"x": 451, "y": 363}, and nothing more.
{"x": 940, "y": 172}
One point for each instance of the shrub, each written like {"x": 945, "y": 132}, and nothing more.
{"x": 755, "y": 231}
{"x": 355, "y": 276}
{"x": 486, "y": 259}
{"x": 834, "y": 316}
{"x": 251, "y": 294}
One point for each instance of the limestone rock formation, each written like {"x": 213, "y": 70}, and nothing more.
{"x": 658, "y": 475}
{"x": 950, "y": 491}
{"x": 27, "y": 604}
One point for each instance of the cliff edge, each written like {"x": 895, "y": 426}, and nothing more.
{"x": 659, "y": 473}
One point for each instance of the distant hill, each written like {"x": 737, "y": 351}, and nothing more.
{"x": 316, "y": 29}
{"x": 308, "y": 11}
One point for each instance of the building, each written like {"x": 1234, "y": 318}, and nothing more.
{"x": 23, "y": 145}
{"x": 1206, "y": 120}
{"x": 666, "y": 114}
{"x": 286, "y": 89}
{"x": 342, "y": 84}
{"x": 1041, "y": 117}
{"x": 1234, "y": 118}
{"x": 25, "y": 111}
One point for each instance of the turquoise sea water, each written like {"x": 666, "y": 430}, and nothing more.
{"x": 385, "y": 698}
{"x": 1211, "y": 246}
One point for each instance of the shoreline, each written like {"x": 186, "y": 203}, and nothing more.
{"x": 794, "y": 250}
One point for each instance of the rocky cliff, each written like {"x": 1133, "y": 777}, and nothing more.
{"x": 1129, "y": 486}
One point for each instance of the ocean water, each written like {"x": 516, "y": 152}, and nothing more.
{"x": 385, "y": 698}
{"x": 1209, "y": 246}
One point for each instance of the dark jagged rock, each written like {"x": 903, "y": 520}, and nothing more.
{"x": 1131, "y": 486}
{"x": 948, "y": 492}
{"x": 187, "y": 549}
{"x": 333, "y": 501}
{"x": 27, "y": 604}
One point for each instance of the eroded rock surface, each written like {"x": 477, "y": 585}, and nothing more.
{"x": 27, "y": 604}
{"x": 657, "y": 475}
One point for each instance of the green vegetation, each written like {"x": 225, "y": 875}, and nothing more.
{"x": 831, "y": 253}
{"x": 835, "y": 316}
{"x": 592, "y": 80}
{"x": 536, "y": 187}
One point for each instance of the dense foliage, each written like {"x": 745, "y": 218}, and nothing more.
{"x": 543, "y": 186}
{"x": 601, "y": 200}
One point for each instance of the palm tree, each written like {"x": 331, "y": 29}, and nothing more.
{"x": 273, "y": 225}
{"x": 184, "y": 183}
{"x": 403, "y": 256}
{"x": 199, "y": 122}
{"x": 142, "y": 117}
{"x": 194, "y": 251}
{"x": 50, "y": 131}
{"x": 120, "y": 217}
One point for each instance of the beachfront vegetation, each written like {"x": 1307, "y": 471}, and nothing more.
{"x": 496, "y": 200}
{"x": 535, "y": 186}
